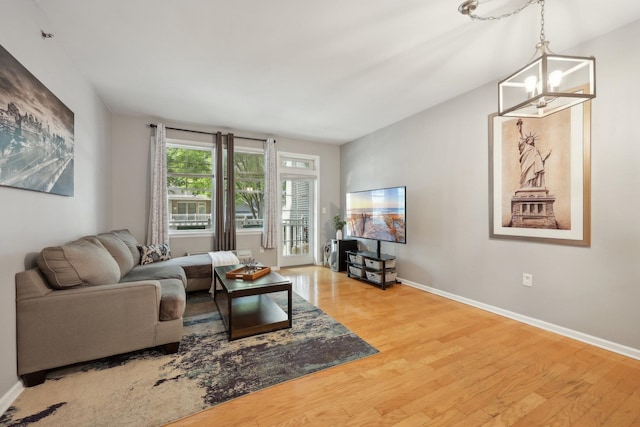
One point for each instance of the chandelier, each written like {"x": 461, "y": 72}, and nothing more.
{"x": 547, "y": 84}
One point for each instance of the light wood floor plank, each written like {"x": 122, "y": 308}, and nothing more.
{"x": 510, "y": 414}
{"x": 440, "y": 363}
{"x": 627, "y": 413}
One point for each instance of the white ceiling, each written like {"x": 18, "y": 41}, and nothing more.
{"x": 328, "y": 70}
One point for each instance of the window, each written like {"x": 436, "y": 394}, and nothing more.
{"x": 249, "y": 188}
{"x": 190, "y": 186}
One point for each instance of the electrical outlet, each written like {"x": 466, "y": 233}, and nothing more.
{"x": 527, "y": 279}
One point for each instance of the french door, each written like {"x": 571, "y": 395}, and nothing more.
{"x": 297, "y": 222}
{"x": 297, "y": 232}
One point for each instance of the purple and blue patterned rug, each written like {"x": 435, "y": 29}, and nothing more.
{"x": 150, "y": 388}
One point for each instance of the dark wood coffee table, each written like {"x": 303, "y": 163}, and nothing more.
{"x": 244, "y": 305}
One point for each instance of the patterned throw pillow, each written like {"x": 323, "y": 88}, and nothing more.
{"x": 154, "y": 253}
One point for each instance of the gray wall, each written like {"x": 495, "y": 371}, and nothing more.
{"x": 29, "y": 220}
{"x": 441, "y": 155}
{"x": 130, "y": 190}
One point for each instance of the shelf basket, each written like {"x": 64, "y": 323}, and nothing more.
{"x": 355, "y": 259}
{"x": 389, "y": 277}
{"x": 377, "y": 265}
{"x": 355, "y": 271}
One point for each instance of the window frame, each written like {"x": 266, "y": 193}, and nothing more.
{"x": 196, "y": 145}
{"x": 182, "y": 143}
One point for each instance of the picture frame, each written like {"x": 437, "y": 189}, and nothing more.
{"x": 36, "y": 133}
{"x": 540, "y": 177}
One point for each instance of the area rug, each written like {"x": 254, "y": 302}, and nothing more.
{"x": 150, "y": 388}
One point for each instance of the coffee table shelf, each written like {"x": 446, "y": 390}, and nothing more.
{"x": 254, "y": 315}
{"x": 245, "y": 306}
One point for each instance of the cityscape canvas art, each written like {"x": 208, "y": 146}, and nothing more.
{"x": 36, "y": 133}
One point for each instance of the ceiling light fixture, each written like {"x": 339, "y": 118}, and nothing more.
{"x": 547, "y": 84}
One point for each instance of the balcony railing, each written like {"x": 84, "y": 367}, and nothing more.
{"x": 189, "y": 221}
{"x": 295, "y": 236}
{"x": 204, "y": 221}
{"x": 243, "y": 221}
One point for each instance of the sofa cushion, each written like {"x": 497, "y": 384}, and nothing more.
{"x": 81, "y": 262}
{"x": 131, "y": 243}
{"x": 194, "y": 265}
{"x": 154, "y": 253}
{"x": 118, "y": 250}
{"x": 156, "y": 271}
{"x": 173, "y": 299}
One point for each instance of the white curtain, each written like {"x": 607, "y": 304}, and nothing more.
{"x": 270, "y": 232}
{"x": 158, "y": 226}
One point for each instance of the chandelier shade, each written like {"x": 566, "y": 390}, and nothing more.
{"x": 548, "y": 84}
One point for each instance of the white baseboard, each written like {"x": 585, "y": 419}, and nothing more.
{"x": 7, "y": 400}
{"x": 631, "y": 352}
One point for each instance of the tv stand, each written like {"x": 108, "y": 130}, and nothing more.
{"x": 372, "y": 267}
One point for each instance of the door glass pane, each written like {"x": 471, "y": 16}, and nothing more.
{"x": 297, "y": 163}
{"x": 296, "y": 206}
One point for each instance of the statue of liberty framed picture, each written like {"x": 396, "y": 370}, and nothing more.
{"x": 540, "y": 177}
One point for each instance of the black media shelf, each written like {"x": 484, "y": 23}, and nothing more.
{"x": 374, "y": 268}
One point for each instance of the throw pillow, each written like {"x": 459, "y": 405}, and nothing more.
{"x": 154, "y": 253}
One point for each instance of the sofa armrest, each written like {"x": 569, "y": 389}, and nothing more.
{"x": 75, "y": 325}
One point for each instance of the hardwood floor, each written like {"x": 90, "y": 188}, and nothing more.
{"x": 441, "y": 363}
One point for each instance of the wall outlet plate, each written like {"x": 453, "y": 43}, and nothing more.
{"x": 527, "y": 279}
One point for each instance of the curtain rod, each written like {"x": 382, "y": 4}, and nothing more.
{"x": 151, "y": 125}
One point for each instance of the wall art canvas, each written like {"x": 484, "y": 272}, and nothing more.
{"x": 36, "y": 133}
{"x": 540, "y": 179}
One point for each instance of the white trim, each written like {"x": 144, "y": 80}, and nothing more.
{"x": 624, "y": 350}
{"x": 249, "y": 231}
{"x": 7, "y": 400}
{"x": 188, "y": 143}
{"x": 245, "y": 149}
{"x": 181, "y": 234}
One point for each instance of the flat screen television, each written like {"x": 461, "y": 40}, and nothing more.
{"x": 377, "y": 214}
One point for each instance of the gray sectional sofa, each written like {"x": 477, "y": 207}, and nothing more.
{"x": 91, "y": 298}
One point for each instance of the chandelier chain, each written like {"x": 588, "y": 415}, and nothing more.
{"x": 505, "y": 15}
{"x": 542, "y": 37}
